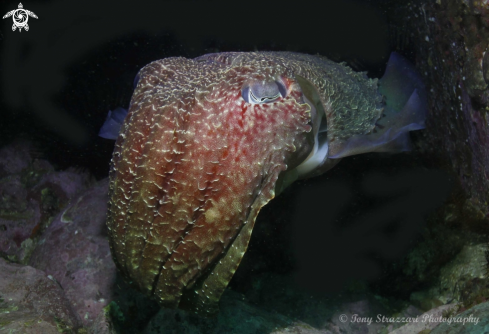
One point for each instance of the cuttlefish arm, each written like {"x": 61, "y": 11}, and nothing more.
{"x": 206, "y": 143}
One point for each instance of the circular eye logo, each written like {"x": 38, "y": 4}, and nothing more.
{"x": 20, "y": 17}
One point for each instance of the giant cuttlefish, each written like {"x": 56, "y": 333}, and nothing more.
{"x": 207, "y": 142}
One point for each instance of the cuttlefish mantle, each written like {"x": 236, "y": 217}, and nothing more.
{"x": 207, "y": 142}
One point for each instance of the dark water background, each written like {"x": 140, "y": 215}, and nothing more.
{"x": 79, "y": 59}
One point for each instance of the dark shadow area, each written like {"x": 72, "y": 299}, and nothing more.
{"x": 340, "y": 232}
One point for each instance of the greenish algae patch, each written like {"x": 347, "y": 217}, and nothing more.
{"x": 61, "y": 326}
{"x": 114, "y": 311}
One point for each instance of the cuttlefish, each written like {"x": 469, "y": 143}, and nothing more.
{"x": 207, "y": 142}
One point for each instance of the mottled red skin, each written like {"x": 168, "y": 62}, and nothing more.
{"x": 191, "y": 169}
{"x": 194, "y": 162}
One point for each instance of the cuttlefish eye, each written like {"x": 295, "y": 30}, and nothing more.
{"x": 264, "y": 92}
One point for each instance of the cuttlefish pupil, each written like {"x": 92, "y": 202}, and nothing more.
{"x": 207, "y": 142}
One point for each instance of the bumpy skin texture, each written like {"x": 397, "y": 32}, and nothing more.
{"x": 194, "y": 163}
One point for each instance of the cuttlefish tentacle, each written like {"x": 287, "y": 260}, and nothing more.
{"x": 208, "y": 142}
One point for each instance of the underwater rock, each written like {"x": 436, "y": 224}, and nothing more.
{"x": 470, "y": 263}
{"x": 450, "y": 41}
{"x": 31, "y": 302}
{"x": 102, "y": 324}
{"x": 356, "y": 310}
{"x": 424, "y": 322}
{"x": 32, "y": 192}
{"x": 473, "y": 321}
{"x": 300, "y": 328}
{"x": 19, "y": 217}
{"x": 236, "y": 316}
{"x": 75, "y": 251}
{"x": 14, "y": 158}
{"x": 455, "y": 278}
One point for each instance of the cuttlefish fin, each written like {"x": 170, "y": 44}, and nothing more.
{"x": 112, "y": 125}
{"x": 203, "y": 296}
{"x": 405, "y": 110}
